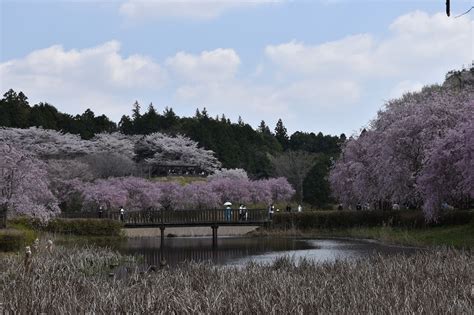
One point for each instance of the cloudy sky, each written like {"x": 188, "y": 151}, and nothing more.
{"x": 320, "y": 65}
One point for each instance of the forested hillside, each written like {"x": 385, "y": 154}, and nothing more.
{"x": 236, "y": 145}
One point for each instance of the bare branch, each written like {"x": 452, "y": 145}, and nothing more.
{"x": 464, "y": 12}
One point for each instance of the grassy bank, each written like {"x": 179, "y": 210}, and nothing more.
{"x": 349, "y": 219}
{"x": 459, "y": 236}
{"x": 84, "y": 227}
{"x": 429, "y": 282}
{"x": 455, "y": 228}
{"x": 23, "y": 231}
{"x": 15, "y": 238}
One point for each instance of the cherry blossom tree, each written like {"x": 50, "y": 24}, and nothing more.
{"x": 386, "y": 162}
{"x": 66, "y": 179}
{"x": 131, "y": 192}
{"x": 103, "y": 193}
{"x": 235, "y": 191}
{"x": 448, "y": 175}
{"x": 171, "y": 196}
{"x": 260, "y": 192}
{"x": 45, "y": 142}
{"x": 142, "y": 194}
{"x": 200, "y": 195}
{"x": 116, "y": 142}
{"x": 160, "y": 149}
{"x": 280, "y": 189}
{"x": 24, "y": 184}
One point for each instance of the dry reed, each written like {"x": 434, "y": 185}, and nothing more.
{"x": 76, "y": 280}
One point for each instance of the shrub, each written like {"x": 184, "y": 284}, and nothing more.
{"x": 26, "y": 222}
{"x": 86, "y": 227}
{"x": 13, "y": 239}
{"x": 349, "y": 219}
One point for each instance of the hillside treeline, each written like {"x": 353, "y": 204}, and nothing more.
{"x": 236, "y": 145}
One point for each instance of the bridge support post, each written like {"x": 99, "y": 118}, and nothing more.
{"x": 214, "y": 236}
{"x": 162, "y": 247}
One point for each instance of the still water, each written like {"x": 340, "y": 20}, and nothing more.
{"x": 239, "y": 251}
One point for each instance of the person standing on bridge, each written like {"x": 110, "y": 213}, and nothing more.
{"x": 122, "y": 214}
{"x": 228, "y": 212}
{"x": 271, "y": 210}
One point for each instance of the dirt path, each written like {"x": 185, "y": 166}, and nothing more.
{"x": 190, "y": 231}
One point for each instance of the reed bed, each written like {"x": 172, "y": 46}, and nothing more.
{"x": 77, "y": 280}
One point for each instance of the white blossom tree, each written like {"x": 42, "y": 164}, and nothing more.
{"x": 160, "y": 149}
{"x": 24, "y": 184}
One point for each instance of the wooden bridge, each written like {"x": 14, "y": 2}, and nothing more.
{"x": 182, "y": 218}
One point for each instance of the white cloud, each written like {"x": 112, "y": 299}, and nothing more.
{"x": 80, "y": 78}
{"x": 347, "y": 54}
{"x": 101, "y": 65}
{"x": 418, "y": 43}
{"x": 305, "y": 84}
{"x": 339, "y": 76}
{"x": 195, "y": 9}
{"x": 216, "y": 65}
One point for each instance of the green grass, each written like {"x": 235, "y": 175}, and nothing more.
{"x": 81, "y": 240}
{"x": 15, "y": 238}
{"x": 461, "y": 236}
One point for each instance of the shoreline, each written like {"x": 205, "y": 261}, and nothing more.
{"x": 189, "y": 231}
{"x": 460, "y": 236}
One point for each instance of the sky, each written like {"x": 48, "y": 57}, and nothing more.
{"x": 320, "y": 65}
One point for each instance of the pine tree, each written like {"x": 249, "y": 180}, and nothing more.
{"x": 197, "y": 114}
{"x": 281, "y": 134}
{"x": 136, "y": 111}
{"x": 151, "y": 109}
{"x": 204, "y": 113}
{"x": 263, "y": 128}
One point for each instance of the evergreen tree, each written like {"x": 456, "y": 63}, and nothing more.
{"x": 14, "y": 110}
{"x": 136, "y": 111}
{"x": 204, "y": 113}
{"x": 197, "y": 114}
{"x": 170, "y": 120}
{"x": 263, "y": 128}
{"x": 152, "y": 110}
{"x": 281, "y": 134}
{"x": 150, "y": 120}
{"x": 126, "y": 125}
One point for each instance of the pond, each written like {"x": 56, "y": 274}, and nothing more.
{"x": 238, "y": 251}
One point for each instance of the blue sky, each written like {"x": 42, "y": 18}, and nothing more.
{"x": 325, "y": 65}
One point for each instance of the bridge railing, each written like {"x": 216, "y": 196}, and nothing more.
{"x": 201, "y": 216}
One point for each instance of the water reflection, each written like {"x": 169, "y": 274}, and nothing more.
{"x": 239, "y": 251}
{"x": 330, "y": 250}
